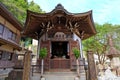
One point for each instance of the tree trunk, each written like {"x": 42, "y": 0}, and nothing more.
{"x": 78, "y": 69}
{"x": 42, "y": 67}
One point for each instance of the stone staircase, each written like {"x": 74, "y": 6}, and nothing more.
{"x": 53, "y": 75}
{"x": 69, "y": 75}
{"x": 60, "y": 76}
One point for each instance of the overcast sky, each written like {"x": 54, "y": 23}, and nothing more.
{"x": 104, "y": 11}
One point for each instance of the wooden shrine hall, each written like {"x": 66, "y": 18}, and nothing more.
{"x": 59, "y": 31}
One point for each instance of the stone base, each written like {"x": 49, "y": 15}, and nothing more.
{"x": 42, "y": 78}
{"x": 15, "y": 75}
{"x": 77, "y": 78}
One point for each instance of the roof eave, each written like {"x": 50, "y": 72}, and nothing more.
{"x": 9, "y": 16}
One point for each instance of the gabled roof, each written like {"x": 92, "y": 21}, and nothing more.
{"x": 9, "y": 16}
{"x": 39, "y": 23}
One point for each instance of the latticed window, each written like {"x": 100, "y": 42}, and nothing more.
{"x": 10, "y": 34}
{"x": 1, "y": 54}
{"x": 14, "y": 36}
{"x": 1, "y": 28}
{"x": 5, "y": 55}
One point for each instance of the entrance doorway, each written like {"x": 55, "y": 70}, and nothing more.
{"x": 59, "y": 50}
{"x": 59, "y": 55}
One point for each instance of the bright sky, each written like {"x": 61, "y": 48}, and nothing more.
{"x": 104, "y": 11}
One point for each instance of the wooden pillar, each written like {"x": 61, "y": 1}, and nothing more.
{"x": 38, "y": 48}
{"x": 81, "y": 50}
{"x": 91, "y": 66}
{"x": 14, "y": 57}
{"x": 27, "y": 66}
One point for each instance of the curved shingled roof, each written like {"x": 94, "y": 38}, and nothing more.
{"x": 39, "y": 23}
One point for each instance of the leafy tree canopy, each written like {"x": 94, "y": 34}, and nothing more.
{"x": 99, "y": 42}
{"x": 19, "y": 8}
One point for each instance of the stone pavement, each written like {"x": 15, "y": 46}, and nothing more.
{"x": 55, "y": 76}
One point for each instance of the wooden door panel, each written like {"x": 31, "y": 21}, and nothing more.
{"x": 60, "y": 64}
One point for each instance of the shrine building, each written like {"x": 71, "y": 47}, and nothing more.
{"x": 59, "y": 31}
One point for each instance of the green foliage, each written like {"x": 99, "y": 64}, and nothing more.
{"x": 116, "y": 36}
{"x": 19, "y": 7}
{"x": 43, "y": 53}
{"x": 99, "y": 42}
{"x": 76, "y": 52}
{"x": 34, "y": 7}
{"x": 26, "y": 41}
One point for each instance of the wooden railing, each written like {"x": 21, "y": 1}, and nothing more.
{"x": 36, "y": 68}
{"x": 6, "y": 64}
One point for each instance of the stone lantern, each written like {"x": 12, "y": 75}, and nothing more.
{"x": 113, "y": 54}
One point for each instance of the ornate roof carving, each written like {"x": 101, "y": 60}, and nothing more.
{"x": 59, "y": 6}
{"x": 75, "y": 22}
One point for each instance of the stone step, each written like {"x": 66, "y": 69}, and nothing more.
{"x": 60, "y": 73}
{"x": 56, "y": 77}
{"x": 69, "y": 75}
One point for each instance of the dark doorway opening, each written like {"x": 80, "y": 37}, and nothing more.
{"x": 59, "y": 49}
